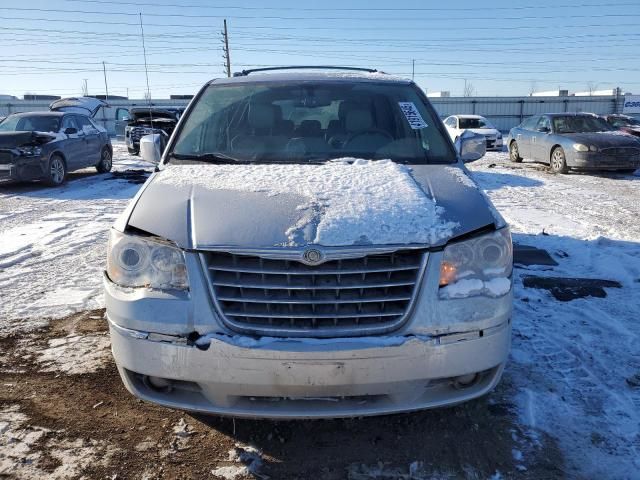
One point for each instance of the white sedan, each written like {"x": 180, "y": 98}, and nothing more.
{"x": 456, "y": 124}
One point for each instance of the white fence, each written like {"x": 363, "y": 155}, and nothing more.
{"x": 507, "y": 112}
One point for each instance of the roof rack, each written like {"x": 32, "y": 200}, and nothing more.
{"x": 244, "y": 73}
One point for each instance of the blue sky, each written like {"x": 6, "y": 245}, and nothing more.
{"x": 500, "y": 47}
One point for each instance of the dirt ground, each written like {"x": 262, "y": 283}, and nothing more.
{"x": 93, "y": 428}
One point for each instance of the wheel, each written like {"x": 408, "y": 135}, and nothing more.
{"x": 57, "y": 172}
{"x": 558, "y": 161}
{"x": 133, "y": 151}
{"x": 514, "y": 153}
{"x": 105, "y": 163}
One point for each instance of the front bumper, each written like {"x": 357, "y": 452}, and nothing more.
{"x": 289, "y": 378}
{"x": 599, "y": 161}
{"x": 22, "y": 168}
{"x": 494, "y": 143}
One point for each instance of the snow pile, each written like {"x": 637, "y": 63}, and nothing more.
{"x": 350, "y": 201}
{"x": 250, "y": 461}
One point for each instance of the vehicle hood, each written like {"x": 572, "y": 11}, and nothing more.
{"x": 604, "y": 139}
{"x": 20, "y": 139}
{"x": 335, "y": 204}
{"x": 139, "y": 113}
{"x": 483, "y": 131}
{"x": 83, "y": 105}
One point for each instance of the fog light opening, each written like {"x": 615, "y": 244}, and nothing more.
{"x": 158, "y": 384}
{"x": 466, "y": 381}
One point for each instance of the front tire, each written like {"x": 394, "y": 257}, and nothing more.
{"x": 133, "y": 151}
{"x": 558, "y": 161}
{"x": 106, "y": 161}
{"x": 57, "y": 171}
{"x": 514, "y": 153}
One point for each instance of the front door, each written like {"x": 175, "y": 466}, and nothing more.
{"x": 92, "y": 140}
{"x": 539, "y": 144}
{"x": 74, "y": 147}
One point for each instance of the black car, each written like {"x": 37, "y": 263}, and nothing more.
{"x": 148, "y": 120}
{"x": 46, "y": 145}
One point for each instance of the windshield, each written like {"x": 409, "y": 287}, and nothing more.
{"x": 474, "y": 123}
{"x": 579, "y": 124}
{"x": 37, "y": 123}
{"x": 312, "y": 121}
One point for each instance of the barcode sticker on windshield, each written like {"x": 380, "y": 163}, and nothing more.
{"x": 412, "y": 115}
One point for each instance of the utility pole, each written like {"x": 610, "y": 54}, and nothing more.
{"x": 106, "y": 88}
{"x": 226, "y": 55}
{"x": 146, "y": 71}
{"x": 413, "y": 68}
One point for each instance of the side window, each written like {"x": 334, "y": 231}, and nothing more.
{"x": 543, "y": 124}
{"x": 68, "y": 122}
{"x": 84, "y": 124}
{"x": 450, "y": 122}
{"x": 122, "y": 113}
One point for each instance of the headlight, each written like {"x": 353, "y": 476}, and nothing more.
{"x": 30, "y": 151}
{"x": 135, "y": 261}
{"x": 584, "y": 148}
{"x": 499, "y": 136}
{"x": 478, "y": 266}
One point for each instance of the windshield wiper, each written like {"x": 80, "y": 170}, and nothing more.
{"x": 212, "y": 157}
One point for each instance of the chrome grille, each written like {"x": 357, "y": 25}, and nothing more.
{"x": 621, "y": 151}
{"x": 341, "y": 297}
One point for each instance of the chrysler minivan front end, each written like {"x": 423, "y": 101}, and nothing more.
{"x": 310, "y": 246}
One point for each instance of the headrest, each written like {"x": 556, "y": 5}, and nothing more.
{"x": 261, "y": 115}
{"x": 358, "y": 120}
{"x": 311, "y": 127}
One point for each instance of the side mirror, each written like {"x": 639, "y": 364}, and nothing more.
{"x": 544, "y": 129}
{"x": 151, "y": 148}
{"x": 471, "y": 146}
{"x": 70, "y": 131}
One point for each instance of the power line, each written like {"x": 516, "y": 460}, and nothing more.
{"x": 412, "y": 9}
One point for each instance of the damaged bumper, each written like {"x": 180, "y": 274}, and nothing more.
{"x": 304, "y": 378}
{"x": 18, "y": 168}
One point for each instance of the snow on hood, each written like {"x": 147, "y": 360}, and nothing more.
{"x": 338, "y": 203}
{"x": 21, "y": 138}
{"x": 344, "y": 202}
{"x": 483, "y": 131}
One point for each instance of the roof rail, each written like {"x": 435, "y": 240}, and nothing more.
{"x": 244, "y": 73}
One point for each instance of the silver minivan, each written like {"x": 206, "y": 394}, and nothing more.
{"x": 310, "y": 245}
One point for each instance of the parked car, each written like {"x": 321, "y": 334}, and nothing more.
{"x": 47, "y": 145}
{"x": 624, "y": 123}
{"x": 310, "y": 245}
{"x": 581, "y": 141}
{"x": 456, "y": 124}
{"x": 150, "y": 120}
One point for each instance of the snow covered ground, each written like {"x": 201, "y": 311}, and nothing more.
{"x": 53, "y": 242}
{"x": 572, "y": 365}
{"x": 570, "y": 361}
